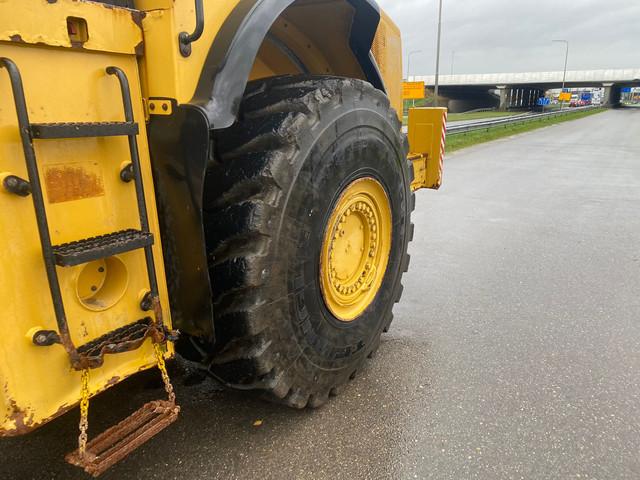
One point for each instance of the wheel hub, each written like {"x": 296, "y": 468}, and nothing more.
{"x": 355, "y": 249}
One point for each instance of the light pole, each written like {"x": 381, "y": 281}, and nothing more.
{"x": 409, "y": 61}
{"x": 435, "y": 90}
{"x": 453, "y": 57}
{"x": 566, "y": 60}
{"x": 413, "y": 102}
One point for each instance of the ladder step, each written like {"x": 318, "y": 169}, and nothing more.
{"x": 104, "y": 246}
{"x": 117, "y": 442}
{"x": 123, "y": 339}
{"x": 80, "y": 130}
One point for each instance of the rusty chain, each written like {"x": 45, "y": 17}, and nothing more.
{"x": 84, "y": 412}
{"x": 84, "y": 397}
{"x": 165, "y": 375}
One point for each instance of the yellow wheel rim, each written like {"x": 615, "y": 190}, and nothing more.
{"x": 355, "y": 249}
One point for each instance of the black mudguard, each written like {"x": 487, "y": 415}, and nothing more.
{"x": 181, "y": 147}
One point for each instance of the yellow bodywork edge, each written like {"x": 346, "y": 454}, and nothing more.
{"x": 427, "y": 137}
{"x": 84, "y": 197}
{"x": 114, "y": 30}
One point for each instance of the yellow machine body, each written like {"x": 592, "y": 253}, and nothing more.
{"x": 62, "y": 49}
{"x": 309, "y": 32}
{"x": 84, "y": 197}
{"x": 427, "y": 140}
{"x": 387, "y": 50}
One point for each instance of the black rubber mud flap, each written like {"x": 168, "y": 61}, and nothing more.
{"x": 278, "y": 173}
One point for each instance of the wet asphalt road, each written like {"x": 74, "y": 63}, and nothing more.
{"x": 515, "y": 353}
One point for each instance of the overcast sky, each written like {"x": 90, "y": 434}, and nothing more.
{"x": 492, "y": 36}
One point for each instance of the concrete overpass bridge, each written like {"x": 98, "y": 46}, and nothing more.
{"x": 505, "y": 90}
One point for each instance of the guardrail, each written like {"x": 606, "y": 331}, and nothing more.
{"x": 513, "y": 120}
{"x": 486, "y": 109}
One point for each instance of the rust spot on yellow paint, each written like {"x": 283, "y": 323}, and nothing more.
{"x": 20, "y": 421}
{"x": 72, "y": 182}
{"x": 21, "y": 424}
{"x": 137, "y": 16}
{"x": 24, "y": 421}
{"x": 112, "y": 381}
{"x": 140, "y": 49}
{"x": 25, "y": 425}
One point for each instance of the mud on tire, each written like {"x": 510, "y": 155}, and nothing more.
{"x": 278, "y": 171}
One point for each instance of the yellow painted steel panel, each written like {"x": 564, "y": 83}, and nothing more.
{"x": 84, "y": 197}
{"x": 168, "y": 74}
{"x": 316, "y": 32}
{"x": 427, "y": 134}
{"x": 387, "y": 50}
{"x": 110, "y": 29}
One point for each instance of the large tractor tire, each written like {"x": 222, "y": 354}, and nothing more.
{"x": 307, "y": 221}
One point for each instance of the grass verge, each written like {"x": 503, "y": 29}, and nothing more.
{"x": 459, "y": 117}
{"x": 464, "y": 140}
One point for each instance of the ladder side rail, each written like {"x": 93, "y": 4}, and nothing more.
{"x": 38, "y": 203}
{"x": 137, "y": 176}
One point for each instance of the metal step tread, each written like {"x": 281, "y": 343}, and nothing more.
{"x": 104, "y": 246}
{"x": 117, "y": 442}
{"x": 124, "y": 339}
{"x": 83, "y": 129}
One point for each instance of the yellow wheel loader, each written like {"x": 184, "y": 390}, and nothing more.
{"x": 227, "y": 180}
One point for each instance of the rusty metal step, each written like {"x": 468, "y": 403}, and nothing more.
{"x": 117, "y": 442}
{"x": 124, "y": 339}
{"x": 95, "y": 248}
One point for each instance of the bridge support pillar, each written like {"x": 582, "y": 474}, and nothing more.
{"x": 505, "y": 97}
{"x": 612, "y": 95}
{"x": 530, "y": 97}
{"x": 535, "y": 95}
